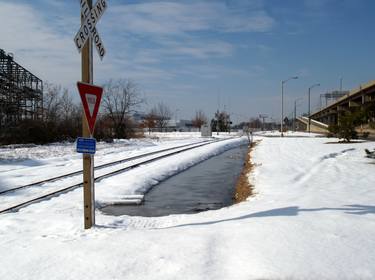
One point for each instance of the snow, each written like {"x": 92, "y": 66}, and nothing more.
{"x": 312, "y": 217}
{"x": 61, "y": 158}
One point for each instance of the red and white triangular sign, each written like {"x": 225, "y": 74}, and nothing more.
{"x": 90, "y": 96}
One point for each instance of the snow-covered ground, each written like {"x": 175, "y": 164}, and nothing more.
{"x": 312, "y": 217}
{"x": 41, "y": 162}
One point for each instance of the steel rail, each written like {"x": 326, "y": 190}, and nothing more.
{"x": 98, "y": 167}
{"x": 75, "y": 186}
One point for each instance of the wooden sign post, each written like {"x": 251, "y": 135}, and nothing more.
{"x": 84, "y": 42}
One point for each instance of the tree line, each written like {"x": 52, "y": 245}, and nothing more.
{"x": 62, "y": 117}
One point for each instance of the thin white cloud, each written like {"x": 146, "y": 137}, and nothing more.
{"x": 317, "y": 4}
{"x": 216, "y": 71}
{"x": 153, "y": 43}
{"x": 160, "y": 18}
{"x": 36, "y": 45}
{"x": 196, "y": 48}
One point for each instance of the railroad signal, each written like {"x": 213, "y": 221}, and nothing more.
{"x": 90, "y": 97}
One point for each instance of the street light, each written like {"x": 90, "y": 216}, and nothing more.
{"x": 316, "y": 85}
{"x": 282, "y": 103}
{"x": 340, "y": 84}
{"x": 295, "y": 113}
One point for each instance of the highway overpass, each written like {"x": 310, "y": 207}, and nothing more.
{"x": 357, "y": 99}
{"x": 315, "y": 126}
{"x": 360, "y": 98}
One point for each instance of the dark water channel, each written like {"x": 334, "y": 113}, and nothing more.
{"x": 207, "y": 185}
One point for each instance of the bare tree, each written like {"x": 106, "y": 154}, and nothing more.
{"x": 121, "y": 98}
{"x": 150, "y": 120}
{"x": 70, "y": 117}
{"x": 255, "y": 123}
{"x": 51, "y": 102}
{"x": 66, "y": 105}
{"x": 164, "y": 114}
{"x": 199, "y": 119}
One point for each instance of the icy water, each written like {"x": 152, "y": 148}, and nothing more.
{"x": 207, "y": 185}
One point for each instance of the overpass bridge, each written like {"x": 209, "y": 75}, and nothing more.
{"x": 360, "y": 98}
{"x": 315, "y": 126}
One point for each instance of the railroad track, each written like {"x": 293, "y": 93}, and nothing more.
{"x": 167, "y": 152}
{"x": 98, "y": 167}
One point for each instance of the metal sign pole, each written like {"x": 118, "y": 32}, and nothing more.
{"x": 88, "y": 160}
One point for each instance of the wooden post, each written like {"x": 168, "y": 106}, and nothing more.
{"x": 88, "y": 160}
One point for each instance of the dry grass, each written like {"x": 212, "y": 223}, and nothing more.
{"x": 243, "y": 187}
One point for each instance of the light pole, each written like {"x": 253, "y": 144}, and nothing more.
{"x": 316, "y": 85}
{"x": 282, "y": 103}
{"x": 176, "y": 118}
{"x": 295, "y": 113}
{"x": 340, "y": 84}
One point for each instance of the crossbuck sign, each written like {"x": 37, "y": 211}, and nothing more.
{"x": 88, "y": 29}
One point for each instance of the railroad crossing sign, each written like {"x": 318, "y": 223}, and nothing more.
{"x": 90, "y": 96}
{"x": 88, "y": 27}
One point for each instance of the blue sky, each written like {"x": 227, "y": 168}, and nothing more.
{"x": 203, "y": 54}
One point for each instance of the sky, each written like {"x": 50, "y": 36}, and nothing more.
{"x": 203, "y": 55}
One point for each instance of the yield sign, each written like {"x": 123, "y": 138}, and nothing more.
{"x": 90, "y": 97}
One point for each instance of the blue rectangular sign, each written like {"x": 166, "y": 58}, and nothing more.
{"x": 86, "y": 145}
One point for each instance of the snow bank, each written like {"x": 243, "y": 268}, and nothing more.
{"x": 313, "y": 217}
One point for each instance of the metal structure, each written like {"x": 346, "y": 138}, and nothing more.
{"x": 331, "y": 97}
{"x": 21, "y": 93}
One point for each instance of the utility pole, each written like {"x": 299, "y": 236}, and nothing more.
{"x": 282, "y": 103}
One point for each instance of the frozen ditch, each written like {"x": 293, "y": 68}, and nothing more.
{"x": 205, "y": 186}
